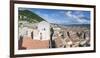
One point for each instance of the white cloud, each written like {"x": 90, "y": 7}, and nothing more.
{"x": 69, "y": 13}
{"x": 22, "y": 9}
{"x": 79, "y": 17}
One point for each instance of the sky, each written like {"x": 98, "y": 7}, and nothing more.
{"x": 59, "y": 16}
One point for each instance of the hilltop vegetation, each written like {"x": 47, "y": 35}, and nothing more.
{"x": 29, "y": 16}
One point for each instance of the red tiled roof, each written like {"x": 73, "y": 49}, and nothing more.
{"x": 30, "y": 43}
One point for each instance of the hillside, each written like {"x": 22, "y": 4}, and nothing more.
{"x": 29, "y": 16}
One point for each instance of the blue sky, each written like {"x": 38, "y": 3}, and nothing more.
{"x": 63, "y": 16}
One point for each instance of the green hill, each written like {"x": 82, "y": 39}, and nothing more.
{"x": 31, "y": 17}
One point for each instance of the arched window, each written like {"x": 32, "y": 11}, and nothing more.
{"x": 40, "y": 36}
{"x": 44, "y": 29}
